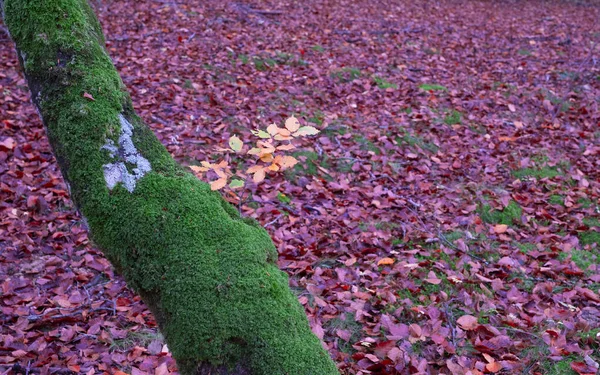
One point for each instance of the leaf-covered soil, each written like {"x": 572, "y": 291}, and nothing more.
{"x": 445, "y": 220}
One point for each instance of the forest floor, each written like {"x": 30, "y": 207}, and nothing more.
{"x": 445, "y": 220}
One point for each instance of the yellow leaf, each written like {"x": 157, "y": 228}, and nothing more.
{"x": 235, "y": 143}
{"x": 218, "y": 184}
{"x": 273, "y": 167}
{"x": 259, "y": 176}
{"x": 306, "y": 130}
{"x": 254, "y": 151}
{"x": 292, "y": 124}
{"x": 385, "y": 262}
{"x": 236, "y": 184}
{"x": 261, "y": 134}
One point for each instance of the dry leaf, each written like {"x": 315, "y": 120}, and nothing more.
{"x": 236, "y": 143}
{"x": 385, "y": 262}
{"x": 500, "y": 228}
{"x": 467, "y": 322}
{"x": 292, "y": 124}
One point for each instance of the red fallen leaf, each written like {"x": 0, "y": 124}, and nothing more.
{"x": 74, "y": 368}
{"x": 19, "y": 353}
{"x": 382, "y": 349}
{"x": 119, "y": 372}
{"x": 8, "y": 144}
{"x": 467, "y": 322}
{"x": 88, "y": 96}
{"x": 583, "y": 369}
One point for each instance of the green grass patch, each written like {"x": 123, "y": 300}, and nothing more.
{"x": 347, "y": 323}
{"x": 509, "y": 215}
{"x": 141, "y": 338}
{"x": 318, "y": 48}
{"x": 524, "y": 52}
{"x": 367, "y": 145}
{"x": 585, "y": 203}
{"x": 283, "y": 198}
{"x": 538, "y": 173}
{"x": 557, "y": 200}
{"x": 591, "y": 221}
{"x": 588, "y": 238}
{"x": 453, "y": 118}
{"x": 432, "y": 87}
{"x": 411, "y": 140}
{"x": 383, "y": 84}
{"x": 345, "y": 75}
{"x": 525, "y": 247}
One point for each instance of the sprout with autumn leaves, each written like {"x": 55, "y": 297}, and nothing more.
{"x": 269, "y": 151}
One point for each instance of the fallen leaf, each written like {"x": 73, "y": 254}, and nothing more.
{"x": 467, "y": 322}
{"x": 500, "y": 228}
{"x": 385, "y": 262}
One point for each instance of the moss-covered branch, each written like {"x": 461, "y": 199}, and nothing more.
{"x": 208, "y": 275}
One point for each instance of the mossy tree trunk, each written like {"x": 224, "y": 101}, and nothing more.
{"x": 208, "y": 275}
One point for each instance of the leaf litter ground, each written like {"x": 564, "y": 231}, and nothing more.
{"x": 445, "y": 220}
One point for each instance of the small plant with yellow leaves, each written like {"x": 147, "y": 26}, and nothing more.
{"x": 269, "y": 152}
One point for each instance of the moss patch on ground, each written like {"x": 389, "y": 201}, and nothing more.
{"x": 209, "y": 275}
{"x": 510, "y": 215}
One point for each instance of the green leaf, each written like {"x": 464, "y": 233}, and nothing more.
{"x": 236, "y": 184}
{"x": 235, "y": 143}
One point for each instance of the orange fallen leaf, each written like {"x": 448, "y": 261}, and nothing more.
{"x": 500, "y": 228}
{"x": 385, "y": 262}
{"x": 493, "y": 367}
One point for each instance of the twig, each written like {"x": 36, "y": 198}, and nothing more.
{"x": 273, "y": 221}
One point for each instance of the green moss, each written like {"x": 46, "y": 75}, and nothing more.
{"x": 509, "y": 215}
{"x": 208, "y": 275}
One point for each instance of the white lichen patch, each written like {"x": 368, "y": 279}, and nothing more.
{"x": 124, "y": 153}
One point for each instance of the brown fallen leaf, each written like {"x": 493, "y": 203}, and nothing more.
{"x": 467, "y": 322}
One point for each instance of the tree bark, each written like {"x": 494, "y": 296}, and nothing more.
{"x": 208, "y": 275}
